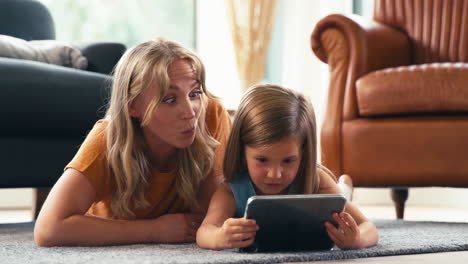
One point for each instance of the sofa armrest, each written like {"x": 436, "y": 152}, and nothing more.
{"x": 102, "y": 56}
{"x": 44, "y": 100}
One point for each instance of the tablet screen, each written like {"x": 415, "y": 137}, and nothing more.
{"x": 292, "y": 222}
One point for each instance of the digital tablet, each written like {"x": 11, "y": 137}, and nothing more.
{"x": 292, "y": 222}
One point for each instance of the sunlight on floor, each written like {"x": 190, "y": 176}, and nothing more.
{"x": 15, "y": 216}
{"x": 412, "y": 213}
{"x": 374, "y": 203}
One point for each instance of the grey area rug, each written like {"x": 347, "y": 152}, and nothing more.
{"x": 397, "y": 237}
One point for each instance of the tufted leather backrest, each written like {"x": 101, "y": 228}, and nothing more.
{"x": 26, "y": 19}
{"x": 438, "y": 29}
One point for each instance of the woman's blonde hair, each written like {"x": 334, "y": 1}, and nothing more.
{"x": 266, "y": 114}
{"x": 139, "y": 68}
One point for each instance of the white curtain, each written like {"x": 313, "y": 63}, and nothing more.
{"x": 302, "y": 70}
{"x": 251, "y": 22}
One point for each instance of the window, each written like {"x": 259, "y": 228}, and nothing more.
{"x": 129, "y": 22}
{"x": 363, "y": 7}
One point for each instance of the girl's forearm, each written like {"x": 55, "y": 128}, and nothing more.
{"x": 369, "y": 235}
{"x": 79, "y": 230}
{"x": 206, "y": 237}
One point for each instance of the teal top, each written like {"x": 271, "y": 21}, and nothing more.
{"x": 242, "y": 189}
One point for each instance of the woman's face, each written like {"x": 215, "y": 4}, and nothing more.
{"x": 173, "y": 122}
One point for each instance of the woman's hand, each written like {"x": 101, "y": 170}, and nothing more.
{"x": 236, "y": 233}
{"x": 349, "y": 235}
{"x": 177, "y": 228}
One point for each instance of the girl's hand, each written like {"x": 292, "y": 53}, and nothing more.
{"x": 349, "y": 235}
{"x": 176, "y": 228}
{"x": 237, "y": 233}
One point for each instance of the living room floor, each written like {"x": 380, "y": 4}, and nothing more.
{"x": 412, "y": 213}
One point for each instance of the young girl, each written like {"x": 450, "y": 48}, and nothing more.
{"x": 272, "y": 150}
{"x": 147, "y": 171}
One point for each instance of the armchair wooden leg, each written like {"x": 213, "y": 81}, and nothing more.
{"x": 399, "y": 197}
{"x": 40, "y": 194}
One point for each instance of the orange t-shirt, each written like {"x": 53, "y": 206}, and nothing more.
{"x": 161, "y": 193}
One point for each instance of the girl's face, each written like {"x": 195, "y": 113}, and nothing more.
{"x": 273, "y": 168}
{"x": 174, "y": 121}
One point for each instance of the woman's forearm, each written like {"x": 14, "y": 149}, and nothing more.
{"x": 79, "y": 230}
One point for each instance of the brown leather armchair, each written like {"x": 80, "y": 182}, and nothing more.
{"x": 397, "y": 111}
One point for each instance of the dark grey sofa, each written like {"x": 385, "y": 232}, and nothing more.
{"x": 46, "y": 110}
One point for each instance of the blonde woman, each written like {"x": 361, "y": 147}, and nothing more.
{"x": 273, "y": 151}
{"x": 147, "y": 171}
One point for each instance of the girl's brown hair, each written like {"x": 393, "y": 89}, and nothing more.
{"x": 266, "y": 114}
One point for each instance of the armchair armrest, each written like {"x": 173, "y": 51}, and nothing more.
{"x": 354, "y": 46}
{"x": 102, "y": 56}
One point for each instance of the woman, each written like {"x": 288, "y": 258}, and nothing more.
{"x": 147, "y": 171}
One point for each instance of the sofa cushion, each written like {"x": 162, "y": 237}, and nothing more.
{"x": 424, "y": 88}
{"x": 48, "y": 51}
